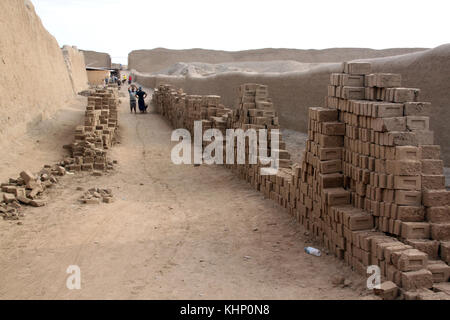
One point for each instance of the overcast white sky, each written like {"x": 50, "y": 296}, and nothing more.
{"x": 120, "y": 26}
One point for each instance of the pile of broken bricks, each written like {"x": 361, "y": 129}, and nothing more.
{"x": 97, "y": 195}
{"x": 88, "y": 153}
{"x": 28, "y": 189}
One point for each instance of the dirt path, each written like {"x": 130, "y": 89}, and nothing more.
{"x": 174, "y": 232}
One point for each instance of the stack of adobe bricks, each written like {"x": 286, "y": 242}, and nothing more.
{"x": 394, "y": 177}
{"x": 192, "y": 114}
{"x": 321, "y": 181}
{"x": 98, "y": 134}
{"x": 175, "y": 107}
{"x": 216, "y": 113}
{"x": 370, "y": 186}
{"x": 256, "y": 111}
{"x": 183, "y": 110}
{"x": 159, "y": 97}
{"x": 255, "y": 108}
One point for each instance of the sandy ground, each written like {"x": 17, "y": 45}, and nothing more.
{"x": 174, "y": 232}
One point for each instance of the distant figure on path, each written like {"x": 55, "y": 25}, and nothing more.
{"x": 141, "y": 95}
{"x": 106, "y": 81}
{"x": 124, "y": 79}
{"x": 130, "y": 80}
{"x": 132, "y": 93}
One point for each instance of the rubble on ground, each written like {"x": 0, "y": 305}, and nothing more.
{"x": 89, "y": 153}
{"x": 28, "y": 190}
{"x": 97, "y": 195}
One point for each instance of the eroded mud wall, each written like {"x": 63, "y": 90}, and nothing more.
{"x": 34, "y": 79}
{"x": 95, "y": 59}
{"x": 76, "y": 67}
{"x": 158, "y": 59}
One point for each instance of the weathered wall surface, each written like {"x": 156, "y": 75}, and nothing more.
{"x": 293, "y": 93}
{"x": 97, "y": 77}
{"x": 77, "y": 68}
{"x": 34, "y": 80}
{"x": 116, "y": 66}
{"x": 159, "y": 59}
{"x": 95, "y": 59}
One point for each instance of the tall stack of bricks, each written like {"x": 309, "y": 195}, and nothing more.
{"x": 255, "y": 110}
{"x": 321, "y": 184}
{"x": 392, "y": 170}
{"x": 370, "y": 187}
{"x": 98, "y": 134}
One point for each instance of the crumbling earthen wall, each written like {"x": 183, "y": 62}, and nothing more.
{"x": 35, "y": 81}
{"x": 95, "y": 59}
{"x": 293, "y": 93}
{"x": 77, "y": 68}
{"x": 159, "y": 59}
{"x": 370, "y": 187}
{"x": 33, "y": 74}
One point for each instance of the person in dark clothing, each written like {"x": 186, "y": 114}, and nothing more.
{"x": 141, "y": 95}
